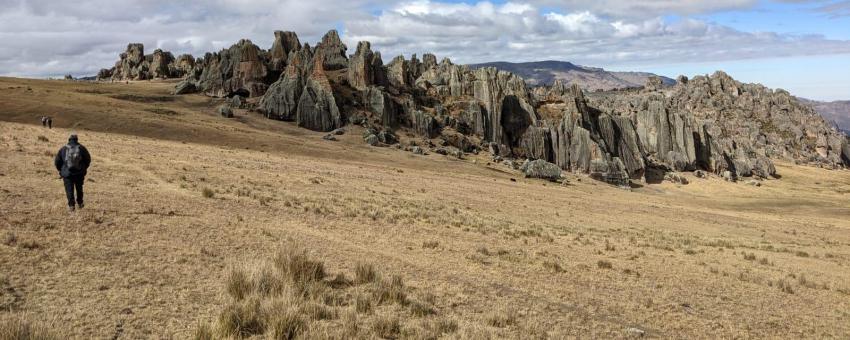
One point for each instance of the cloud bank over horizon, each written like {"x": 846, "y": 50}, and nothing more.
{"x": 45, "y": 38}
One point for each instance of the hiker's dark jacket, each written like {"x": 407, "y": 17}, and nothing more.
{"x": 59, "y": 161}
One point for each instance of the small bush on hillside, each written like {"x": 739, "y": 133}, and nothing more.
{"x": 208, "y": 193}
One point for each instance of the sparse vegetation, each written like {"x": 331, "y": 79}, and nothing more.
{"x": 553, "y": 266}
{"x": 604, "y": 264}
{"x": 208, "y": 193}
{"x": 10, "y": 239}
{"x": 784, "y": 286}
{"x": 501, "y": 318}
{"x": 288, "y": 297}
{"x": 161, "y": 111}
{"x": 19, "y": 327}
{"x": 460, "y": 235}
{"x": 365, "y": 273}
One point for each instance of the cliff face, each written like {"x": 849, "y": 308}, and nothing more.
{"x": 710, "y": 123}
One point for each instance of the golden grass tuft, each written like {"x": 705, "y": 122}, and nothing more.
{"x": 242, "y": 319}
{"x": 17, "y": 327}
{"x": 296, "y": 265}
{"x": 390, "y": 291}
{"x": 291, "y": 297}
{"x": 386, "y": 326}
{"x": 502, "y": 318}
{"x": 286, "y": 324}
{"x": 237, "y": 284}
{"x": 365, "y": 273}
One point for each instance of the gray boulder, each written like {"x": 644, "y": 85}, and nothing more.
{"x": 225, "y": 111}
{"x": 372, "y": 140}
{"x": 185, "y": 86}
{"x": 541, "y": 169}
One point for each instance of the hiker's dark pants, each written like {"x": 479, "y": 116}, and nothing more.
{"x": 74, "y": 183}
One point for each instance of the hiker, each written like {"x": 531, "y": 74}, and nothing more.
{"x": 49, "y": 123}
{"x": 43, "y": 121}
{"x": 72, "y": 161}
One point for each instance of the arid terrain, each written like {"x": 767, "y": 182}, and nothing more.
{"x": 181, "y": 200}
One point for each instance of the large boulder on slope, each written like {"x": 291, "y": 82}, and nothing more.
{"x": 541, "y": 169}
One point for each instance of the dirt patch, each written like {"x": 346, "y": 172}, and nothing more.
{"x": 161, "y": 111}
{"x": 142, "y": 99}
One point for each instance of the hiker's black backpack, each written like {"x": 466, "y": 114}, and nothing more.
{"x": 73, "y": 157}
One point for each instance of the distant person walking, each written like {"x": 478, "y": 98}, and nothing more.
{"x": 72, "y": 161}
{"x": 49, "y": 123}
{"x": 43, "y": 121}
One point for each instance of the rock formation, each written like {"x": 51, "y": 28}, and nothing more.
{"x": 365, "y": 68}
{"x": 284, "y": 43}
{"x": 333, "y": 50}
{"x": 281, "y": 100}
{"x": 135, "y": 65}
{"x": 707, "y": 123}
{"x": 317, "y": 109}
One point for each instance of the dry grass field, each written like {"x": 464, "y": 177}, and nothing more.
{"x": 201, "y": 226}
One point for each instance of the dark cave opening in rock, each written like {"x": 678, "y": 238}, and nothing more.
{"x": 515, "y": 120}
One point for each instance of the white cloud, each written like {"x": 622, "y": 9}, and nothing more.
{"x": 487, "y": 32}
{"x": 51, "y": 37}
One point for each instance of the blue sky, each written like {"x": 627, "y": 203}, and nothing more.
{"x": 800, "y": 45}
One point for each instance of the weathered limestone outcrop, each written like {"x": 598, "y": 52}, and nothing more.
{"x": 135, "y": 65}
{"x": 333, "y": 50}
{"x": 366, "y": 68}
{"x": 707, "y": 123}
{"x": 281, "y": 100}
{"x": 240, "y": 69}
{"x": 284, "y": 44}
{"x": 317, "y": 109}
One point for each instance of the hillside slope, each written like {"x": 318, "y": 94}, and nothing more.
{"x": 589, "y": 78}
{"x": 837, "y": 112}
{"x": 475, "y": 244}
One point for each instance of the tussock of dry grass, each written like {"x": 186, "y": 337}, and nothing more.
{"x": 17, "y": 327}
{"x": 365, "y": 273}
{"x": 290, "y": 297}
{"x": 501, "y": 318}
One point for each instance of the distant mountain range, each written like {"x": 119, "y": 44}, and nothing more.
{"x": 837, "y": 112}
{"x": 589, "y": 78}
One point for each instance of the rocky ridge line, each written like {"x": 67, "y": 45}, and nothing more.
{"x": 708, "y": 123}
